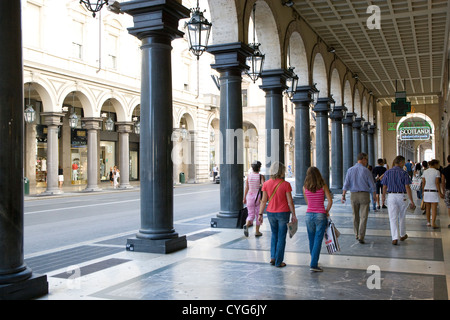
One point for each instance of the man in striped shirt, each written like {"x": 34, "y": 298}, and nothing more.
{"x": 359, "y": 181}
{"x": 396, "y": 183}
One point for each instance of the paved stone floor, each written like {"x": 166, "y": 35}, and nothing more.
{"x": 222, "y": 264}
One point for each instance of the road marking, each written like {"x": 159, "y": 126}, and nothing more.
{"x": 108, "y": 203}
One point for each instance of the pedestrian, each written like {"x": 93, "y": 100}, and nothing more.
{"x": 111, "y": 176}
{"x": 377, "y": 173}
{"x": 396, "y": 183}
{"x": 215, "y": 172}
{"x": 359, "y": 182}
{"x": 116, "y": 177}
{"x": 278, "y": 192}
{"x": 409, "y": 168}
{"x": 445, "y": 185}
{"x": 431, "y": 189}
{"x": 252, "y": 197}
{"x": 418, "y": 175}
{"x": 315, "y": 191}
{"x": 372, "y": 196}
{"x": 60, "y": 177}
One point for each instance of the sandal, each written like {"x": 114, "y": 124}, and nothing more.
{"x": 281, "y": 265}
{"x": 259, "y": 234}
{"x": 272, "y": 261}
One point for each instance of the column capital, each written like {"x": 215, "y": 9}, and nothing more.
{"x": 357, "y": 123}
{"x": 349, "y": 118}
{"x": 230, "y": 56}
{"x": 155, "y": 17}
{"x": 52, "y": 118}
{"x": 92, "y": 123}
{"x": 337, "y": 113}
{"x": 124, "y": 127}
{"x": 274, "y": 79}
{"x": 365, "y": 126}
{"x": 303, "y": 96}
{"x": 323, "y": 105}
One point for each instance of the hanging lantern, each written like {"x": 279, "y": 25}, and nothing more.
{"x": 73, "y": 120}
{"x": 137, "y": 127}
{"x": 256, "y": 61}
{"x": 109, "y": 124}
{"x": 291, "y": 82}
{"x": 29, "y": 114}
{"x": 95, "y": 6}
{"x": 198, "y": 32}
{"x": 315, "y": 95}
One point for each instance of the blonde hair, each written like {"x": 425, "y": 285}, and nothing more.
{"x": 313, "y": 180}
{"x": 277, "y": 170}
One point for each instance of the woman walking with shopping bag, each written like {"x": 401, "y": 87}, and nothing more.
{"x": 278, "y": 193}
{"x": 315, "y": 191}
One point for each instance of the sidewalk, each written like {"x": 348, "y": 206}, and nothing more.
{"x": 222, "y": 264}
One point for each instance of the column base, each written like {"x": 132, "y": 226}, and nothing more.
{"x": 229, "y": 223}
{"x": 34, "y": 287}
{"x": 156, "y": 246}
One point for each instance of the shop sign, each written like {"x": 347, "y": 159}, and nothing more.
{"x": 415, "y": 133}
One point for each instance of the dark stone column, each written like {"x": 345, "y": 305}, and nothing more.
{"x": 348, "y": 142}
{"x": 371, "y": 145}
{"x": 357, "y": 124}
{"x": 322, "y": 141}
{"x": 156, "y": 25}
{"x": 273, "y": 84}
{"x": 230, "y": 61}
{"x": 124, "y": 129}
{"x": 16, "y": 278}
{"x": 364, "y": 142}
{"x": 336, "y": 150}
{"x": 302, "y": 100}
{"x": 52, "y": 120}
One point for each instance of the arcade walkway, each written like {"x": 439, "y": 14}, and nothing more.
{"x": 221, "y": 264}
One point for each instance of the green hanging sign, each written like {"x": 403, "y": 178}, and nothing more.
{"x": 400, "y": 107}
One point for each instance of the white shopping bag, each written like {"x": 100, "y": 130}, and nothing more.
{"x": 331, "y": 238}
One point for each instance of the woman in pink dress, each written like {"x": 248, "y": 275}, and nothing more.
{"x": 252, "y": 197}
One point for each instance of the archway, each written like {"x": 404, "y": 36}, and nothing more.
{"x": 416, "y": 137}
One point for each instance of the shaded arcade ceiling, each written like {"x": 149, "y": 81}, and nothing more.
{"x": 412, "y": 43}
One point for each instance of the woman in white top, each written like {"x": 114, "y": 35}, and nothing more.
{"x": 431, "y": 190}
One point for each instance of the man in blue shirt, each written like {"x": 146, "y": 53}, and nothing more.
{"x": 360, "y": 183}
{"x": 409, "y": 168}
{"x": 396, "y": 183}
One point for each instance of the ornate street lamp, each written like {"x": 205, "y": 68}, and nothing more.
{"x": 256, "y": 60}
{"x": 29, "y": 114}
{"x": 137, "y": 127}
{"x": 198, "y": 32}
{"x": 291, "y": 82}
{"x": 95, "y": 6}
{"x": 73, "y": 119}
{"x": 109, "y": 124}
{"x": 315, "y": 95}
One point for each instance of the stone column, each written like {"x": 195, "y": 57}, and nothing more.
{"x": 357, "y": 138}
{"x": 273, "y": 84}
{"x": 336, "y": 150}
{"x": 156, "y": 25}
{"x": 192, "y": 165}
{"x": 124, "y": 129}
{"x": 92, "y": 125}
{"x": 322, "y": 141}
{"x": 230, "y": 62}
{"x": 371, "y": 145}
{"x": 52, "y": 120}
{"x": 302, "y": 100}
{"x": 364, "y": 142}
{"x": 16, "y": 278}
{"x": 348, "y": 142}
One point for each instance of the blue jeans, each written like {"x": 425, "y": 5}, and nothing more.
{"x": 316, "y": 224}
{"x": 278, "y": 224}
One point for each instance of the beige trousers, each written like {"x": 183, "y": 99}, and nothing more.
{"x": 360, "y": 205}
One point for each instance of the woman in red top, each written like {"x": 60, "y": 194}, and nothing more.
{"x": 278, "y": 193}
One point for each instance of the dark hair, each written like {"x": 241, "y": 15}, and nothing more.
{"x": 256, "y": 166}
{"x": 362, "y": 156}
{"x": 398, "y": 160}
{"x": 418, "y": 166}
{"x": 380, "y": 161}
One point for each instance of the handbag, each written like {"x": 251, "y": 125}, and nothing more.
{"x": 422, "y": 205}
{"x": 259, "y": 193}
{"x": 292, "y": 228}
{"x": 242, "y": 218}
{"x": 331, "y": 238}
{"x": 416, "y": 183}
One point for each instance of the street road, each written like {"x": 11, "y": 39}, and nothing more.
{"x": 52, "y": 223}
